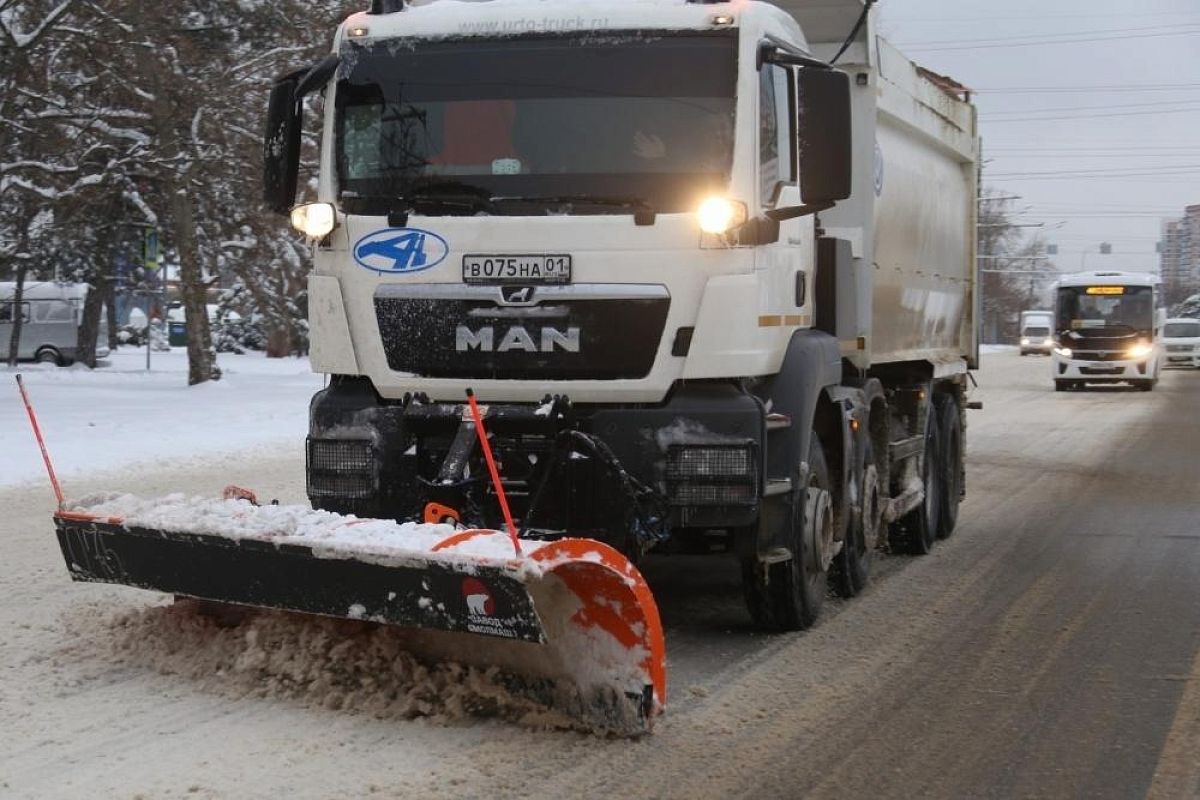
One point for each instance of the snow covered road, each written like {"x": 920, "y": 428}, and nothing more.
{"x": 1048, "y": 649}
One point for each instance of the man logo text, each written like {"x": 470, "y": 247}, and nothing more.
{"x": 516, "y": 339}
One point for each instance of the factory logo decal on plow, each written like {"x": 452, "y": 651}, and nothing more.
{"x": 481, "y": 610}
{"x": 400, "y": 250}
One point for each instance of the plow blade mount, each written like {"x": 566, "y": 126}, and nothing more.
{"x": 570, "y": 623}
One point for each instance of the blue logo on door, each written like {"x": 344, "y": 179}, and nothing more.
{"x": 395, "y": 250}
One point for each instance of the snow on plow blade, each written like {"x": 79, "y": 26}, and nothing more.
{"x": 570, "y": 623}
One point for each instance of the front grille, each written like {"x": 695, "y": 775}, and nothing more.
{"x": 1100, "y": 355}
{"x": 712, "y": 475}
{"x": 341, "y": 468}
{"x": 1179, "y": 348}
{"x": 1101, "y": 370}
{"x": 572, "y": 332}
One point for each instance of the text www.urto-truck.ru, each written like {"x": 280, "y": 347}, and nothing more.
{"x": 527, "y": 24}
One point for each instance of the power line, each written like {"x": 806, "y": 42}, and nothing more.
{"x": 1145, "y": 87}
{"x": 1105, "y": 107}
{"x": 1040, "y": 118}
{"x": 985, "y": 44}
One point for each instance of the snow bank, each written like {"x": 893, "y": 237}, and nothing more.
{"x": 120, "y": 415}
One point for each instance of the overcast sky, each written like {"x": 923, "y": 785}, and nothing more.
{"x": 1059, "y": 106}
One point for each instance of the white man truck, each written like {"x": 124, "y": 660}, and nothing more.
{"x": 708, "y": 268}
{"x": 1107, "y": 330}
{"x": 716, "y": 291}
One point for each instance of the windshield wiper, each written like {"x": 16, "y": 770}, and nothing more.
{"x": 447, "y": 195}
{"x": 643, "y": 212}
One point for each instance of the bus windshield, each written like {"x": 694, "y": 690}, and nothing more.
{"x": 1127, "y": 307}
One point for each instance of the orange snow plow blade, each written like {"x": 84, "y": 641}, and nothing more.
{"x": 570, "y": 623}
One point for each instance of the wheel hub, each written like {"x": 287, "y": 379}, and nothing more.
{"x": 872, "y": 509}
{"x": 818, "y": 526}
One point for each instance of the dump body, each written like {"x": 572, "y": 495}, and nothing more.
{"x": 911, "y": 219}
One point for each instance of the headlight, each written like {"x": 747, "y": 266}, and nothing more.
{"x": 1065, "y": 352}
{"x": 718, "y": 215}
{"x": 1048, "y": 343}
{"x": 1140, "y": 350}
{"x": 1024, "y": 340}
{"x": 314, "y": 220}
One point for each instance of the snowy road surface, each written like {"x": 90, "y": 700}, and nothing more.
{"x": 1048, "y": 649}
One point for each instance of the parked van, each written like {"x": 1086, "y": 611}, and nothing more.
{"x": 50, "y": 314}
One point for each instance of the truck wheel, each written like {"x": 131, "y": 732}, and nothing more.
{"x": 950, "y": 432}
{"x": 852, "y": 566}
{"x": 916, "y": 531}
{"x": 788, "y": 596}
{"x": 48, "y": 355}
{"x": 1145, "y": 386}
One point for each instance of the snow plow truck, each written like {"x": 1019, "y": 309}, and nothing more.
{"x": 709, "y": 272}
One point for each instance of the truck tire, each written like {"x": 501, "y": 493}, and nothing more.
{"x": 950, "y": 432}
{"x": 788, "y": 596}
{"x": 852, "y": 566}
{"x": 1145, "y": 386}
{"x": 916, "y": 532}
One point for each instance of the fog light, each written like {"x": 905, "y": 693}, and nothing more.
{"x": 343, "y": 469}
{"x": 712, "y": 475}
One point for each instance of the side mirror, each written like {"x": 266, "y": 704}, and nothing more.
{"x": 824, "y": 134}
{"x": 281, "y": 145}
{"x": 281, "y": 141}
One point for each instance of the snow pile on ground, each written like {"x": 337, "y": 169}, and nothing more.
{"x": 120, "y": 414}
{"x": 336, "y": 664}
{"x": 336, "y": 533}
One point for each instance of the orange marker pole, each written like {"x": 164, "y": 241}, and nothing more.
{"x": 491, "y": 462}
{"x": 37, "y": 433}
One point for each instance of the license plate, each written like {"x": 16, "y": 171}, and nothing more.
{"x": 516, "y": 269}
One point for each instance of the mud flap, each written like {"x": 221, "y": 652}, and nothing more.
{"x": 572, "y": 624}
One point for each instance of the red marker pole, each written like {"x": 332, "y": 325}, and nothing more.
{"x": 37, "y": 433}
{"x": 491, "y": 462}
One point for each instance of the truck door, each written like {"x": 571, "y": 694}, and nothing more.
{"x": 782, "y": 263}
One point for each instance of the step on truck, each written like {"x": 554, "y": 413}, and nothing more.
{"x": 708, "y": 269}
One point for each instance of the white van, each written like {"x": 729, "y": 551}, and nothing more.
{"x": 50, "y": 314}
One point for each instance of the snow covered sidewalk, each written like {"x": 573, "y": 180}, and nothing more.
{"x": 120, "y": 415}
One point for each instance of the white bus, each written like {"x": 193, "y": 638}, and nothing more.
{"x": 50, "y": 317}
{"x": 1107, "y": 329}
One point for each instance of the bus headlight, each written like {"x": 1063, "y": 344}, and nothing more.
{"x": 718, "y": 215}
{"x": 314, "y": 220}
{"x": 1140, "y": 350}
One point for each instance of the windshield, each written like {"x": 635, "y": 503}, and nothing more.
{"x": 1123, "y": 307}
{"x": 1182, "y": 330}
{"x": 645, "y": 118}
{"x": 1037, "y": 331}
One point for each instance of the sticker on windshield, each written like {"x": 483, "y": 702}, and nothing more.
{"x": 506, "y": 166}
{"x": 400, "y": 250}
